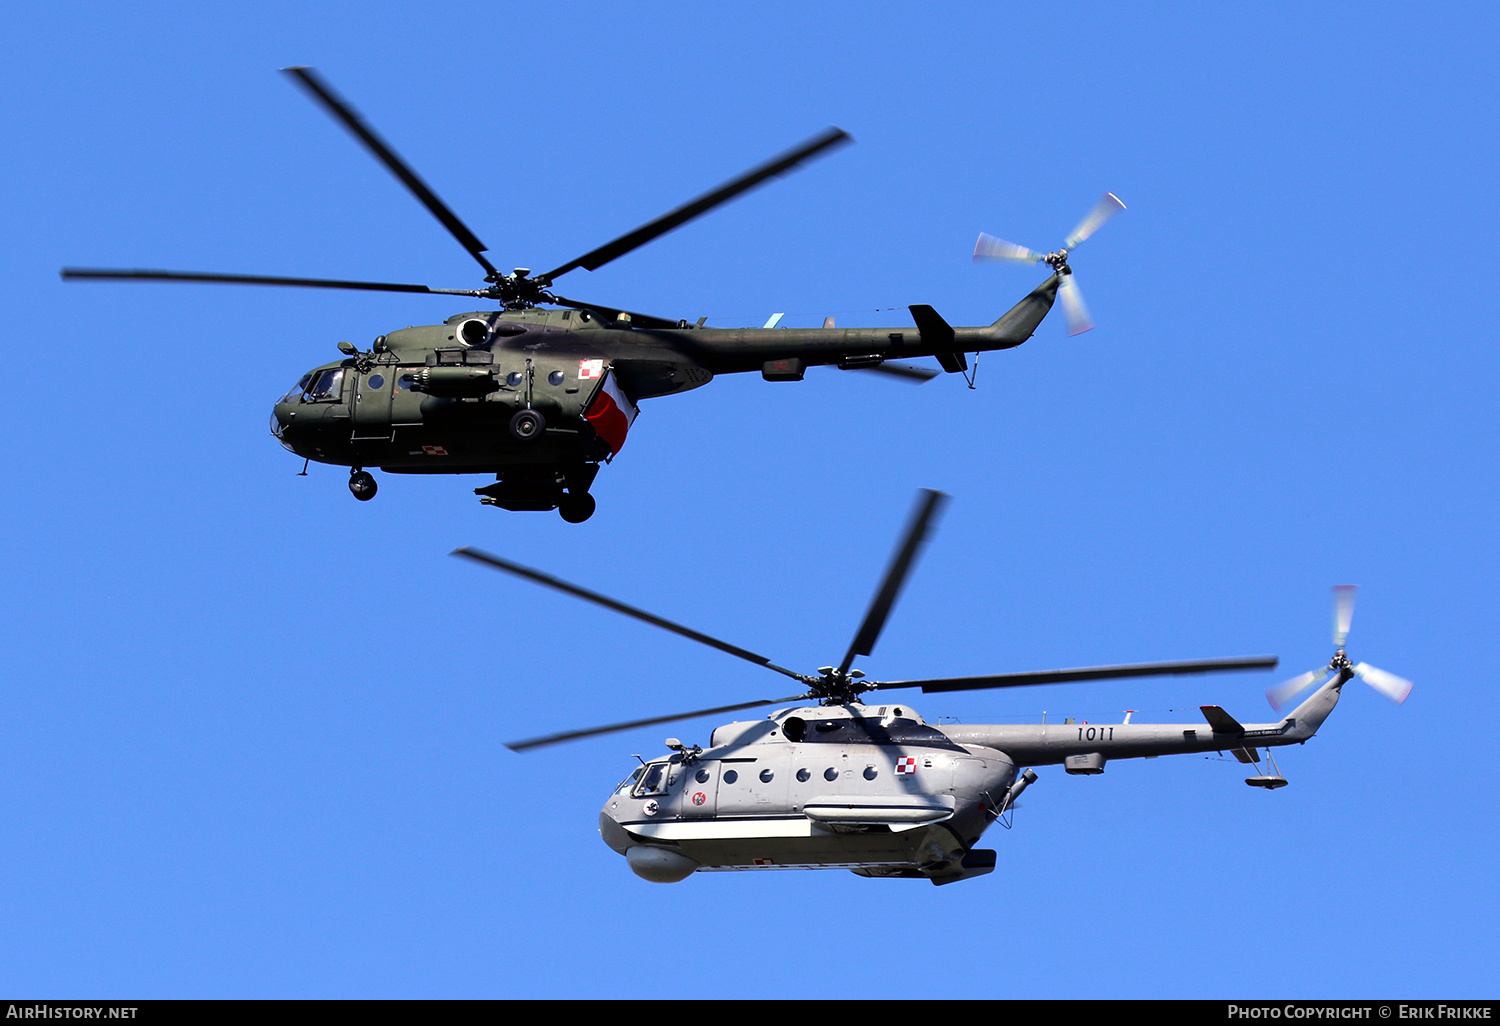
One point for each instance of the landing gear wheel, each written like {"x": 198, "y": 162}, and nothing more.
{"x": 362, "y": 484}
{"x": 575, "y": 509}
{"x": 527, "y": 425}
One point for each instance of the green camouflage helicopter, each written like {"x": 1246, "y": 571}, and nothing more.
{"x": 541, "y": 397}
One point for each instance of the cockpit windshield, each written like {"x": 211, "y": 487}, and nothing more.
{"x": 295, "y": 395}
{"x": 629, "y": 782}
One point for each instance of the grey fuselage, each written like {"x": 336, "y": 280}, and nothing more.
{"x": 877, "y": 790}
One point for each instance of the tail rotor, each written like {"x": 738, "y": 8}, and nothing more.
{"x": 1388, "y": 684}
{"x": 988, "y": 247}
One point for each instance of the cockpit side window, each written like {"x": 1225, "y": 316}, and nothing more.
{"x": 327, "y": 386}
{"x": 653, "y": 781}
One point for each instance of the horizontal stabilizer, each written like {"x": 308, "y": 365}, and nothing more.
{"x": 1221, "y": 721}
{"x": 1249, "y": 756}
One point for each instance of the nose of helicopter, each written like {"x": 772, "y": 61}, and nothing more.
{"x": 610, "y": 830}
{"x": 614, "y": 835}
{"x": 282, "y": 415}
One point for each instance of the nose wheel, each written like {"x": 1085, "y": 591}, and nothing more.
{"x": 362, "y": 484}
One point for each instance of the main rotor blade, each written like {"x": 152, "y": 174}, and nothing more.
{"x": 107, "y": 274}
{"x": 1014, "y": 680}
{"x": 336, "y": 105}
{"x": 729, "y": 190}
{"x": 1106, "y": 208}
{"x": 613, "y": 313}
{"x": 1076, "y": 313}
{"x": 620, "y": 607}
{"x": 905, "y": 371}
{"x": 1343, "y": 612}
{"x": 1278, "y": 695}
{"x": 573, "y": 735}
{"x": 929, "y": 503}
{"x": 1388, "y": 684}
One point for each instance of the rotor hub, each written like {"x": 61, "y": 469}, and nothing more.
{"x": 835, "y": 687}
{"x": 517, "y": 291}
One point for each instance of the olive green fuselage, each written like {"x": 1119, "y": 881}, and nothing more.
{"x": 441, "y": 398}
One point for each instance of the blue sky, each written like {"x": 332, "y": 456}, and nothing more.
{"x": 250, "y": 732}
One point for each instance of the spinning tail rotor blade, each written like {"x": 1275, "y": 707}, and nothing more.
{"x": 990, "y": 248}
{"x": 1106, "y": 208}
{"x": 1077, "y": 314}
{"x": 1388, "y": 684}
{"x": 1343, "y": 612}
{"x": 1279, "y": 695}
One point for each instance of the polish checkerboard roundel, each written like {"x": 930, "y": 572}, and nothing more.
{"x": 906, "y": 764}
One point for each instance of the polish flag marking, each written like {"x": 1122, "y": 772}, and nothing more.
{"x": 611, "y": 413}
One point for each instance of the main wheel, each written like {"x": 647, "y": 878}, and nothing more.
{"x": 575, "y": 509}
{"x": 527, "y": 425}
{"x": 362, "y": 484}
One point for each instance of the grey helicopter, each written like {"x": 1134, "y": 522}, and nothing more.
{"x": 834, "y": 781}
